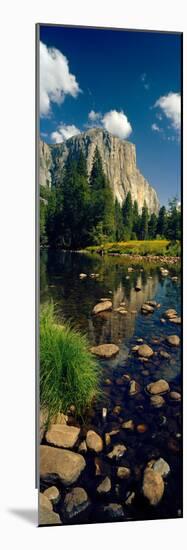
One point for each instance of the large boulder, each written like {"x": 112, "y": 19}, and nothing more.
{"x": 102, "y": 306}
{"x": 65, "y": 464}
{"x": 158, "y": 387}
{"x": 62, "y": 435}
{"x": 153, "y": 486}
{"x": 105, "y": 350}
{"x": 94, "y": 441}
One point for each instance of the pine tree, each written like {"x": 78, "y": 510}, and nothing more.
{"x": 162, "y": 222}
{"x": 102, "y": 203}
{"x": 76, "y": 200}
{"x": 136, "y": 220}
{"x": 127, "y": 210}
{"x": 144, "y": 222}
{"x": 152, "y": 226}
{"x": 118, "y": 221}
{"x": 174, "y": 221}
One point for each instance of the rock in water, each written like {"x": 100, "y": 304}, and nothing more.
{"x": 105, "y": 486}
{"x": 123, "y": 472}
{"x": 52, "y": 493}
{"x": 159, "y": 387}
{"x": 157, "y": 401}
{"x": 44, "y": 502}
{"x": 102, "y": 306}
{"x": 62, "y": 435}
{"x": 118, "y": 451}
{"x": 170, "y": 313}
{"x": 162, "y": 467}
{"x": 118, "y": 159}
{"x": 105, "y": 350}
{"x": 175, "y": 396}
{"x": 65, "y": 464}
{"x": 146, "y": 308}
{"x": 145, "y": 351}
{"x": 114, "y": 511}
{"x": 75, "y": 503}
{"x": 94, "y": 441}
{"x": 173, "y": 340}
{"x": 153, "y": 486}
{"x": 47, "y": 517}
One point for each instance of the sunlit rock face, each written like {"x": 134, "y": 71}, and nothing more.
{"x": 119, "y": 164}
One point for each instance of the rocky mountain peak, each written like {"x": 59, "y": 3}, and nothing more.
{"x": 118, "y": 159}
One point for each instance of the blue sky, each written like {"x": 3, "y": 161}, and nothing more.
{"x": 129, "y": 81}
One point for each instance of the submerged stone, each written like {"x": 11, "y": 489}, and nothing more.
{"x": 105, "y": 350}
{"x": 102, "y": 306}
{"x": 75, "y": 503}
{"x": 159, "y": 387}
{"x": 153, "y": 486}
{"x": 145, "y": 351}
{"x": 105, "y": 486}
{"x": 94, "y": 441}
{"x": 173, "y": 340}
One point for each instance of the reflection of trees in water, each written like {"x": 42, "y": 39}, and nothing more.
{"x": 75, "y": 298}
{"x": 112, "y": 326}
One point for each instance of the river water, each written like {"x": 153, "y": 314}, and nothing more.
{"x": 74, "y": 299}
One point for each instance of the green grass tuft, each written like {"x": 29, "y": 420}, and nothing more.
{"x": 69, "y": 374}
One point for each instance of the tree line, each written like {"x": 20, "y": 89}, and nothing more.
{"x": 81, "y": 211}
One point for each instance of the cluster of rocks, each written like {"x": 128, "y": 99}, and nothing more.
{"x": 63, "y": 461}
{"x": 67, "y": 448}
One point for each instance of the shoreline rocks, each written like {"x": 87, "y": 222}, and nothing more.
{"x": 62, "y": 435}
{"x": 67, "y": 465}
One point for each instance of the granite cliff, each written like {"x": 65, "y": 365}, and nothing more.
{"x": 119, "y": 164}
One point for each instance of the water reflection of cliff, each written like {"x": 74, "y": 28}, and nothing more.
{"x": 75, "y": 298}
{"x": 113, "y": 326}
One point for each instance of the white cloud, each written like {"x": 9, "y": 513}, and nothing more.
{"x": 117, "y": 123}
{"x": 155, "y": 127}
{"x": 171, "y": 107}
{"x": 64, "y": 132}
{"x": 93, "y": 116}
{"x": 56, "y": 81}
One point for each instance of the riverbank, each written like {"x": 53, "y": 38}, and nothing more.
{"x": 156, "y": 250}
